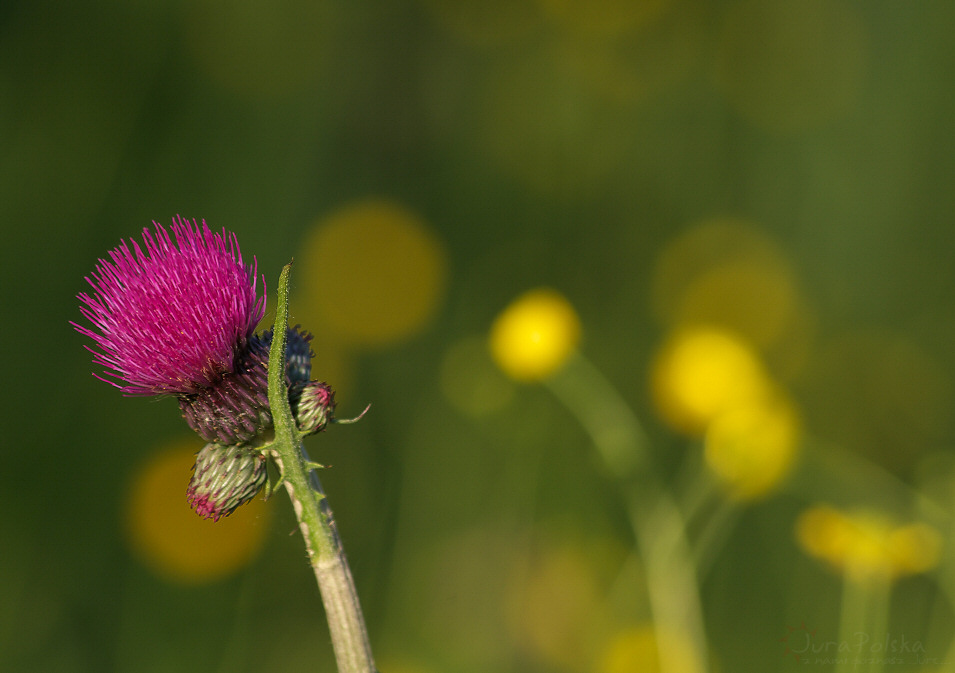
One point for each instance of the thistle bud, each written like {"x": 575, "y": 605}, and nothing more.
{"x": 225, "y": 477}
{"x": 314, "y": 407}
{"x": 236, "y": 409}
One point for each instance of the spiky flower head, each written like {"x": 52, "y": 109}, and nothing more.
{"x": 176, "y": 316}
{"x": 225, "y": 477}
{"x": 173, "y": 315}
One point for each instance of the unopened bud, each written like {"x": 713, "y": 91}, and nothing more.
{"x": 315, "y": 406}
{"x": 236, "y": 408}
{"x": 225, "y": 477}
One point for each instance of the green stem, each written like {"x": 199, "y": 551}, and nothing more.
{"x": 879, "y": 621}
{"x": 864, "y": 623}
{"x": 944, "y": 578}
{"x": 325, "y": 552}
{"x": 655, "y": 518}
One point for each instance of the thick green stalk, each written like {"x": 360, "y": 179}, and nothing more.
{"x": 325, "y": 553}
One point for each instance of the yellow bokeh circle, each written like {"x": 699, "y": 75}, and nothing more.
{"x": 729, "y": 272}
{"x": 701, "y": 373}
{"x": 547, "y": 606}
{"x": 172, "y": 539}
{"x": 533, "y": 337}
{"x": 752, "y": 448}
{"x": 916, "y": 548}
{"x": 373, "y": 272}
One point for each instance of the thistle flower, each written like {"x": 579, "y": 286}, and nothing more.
{"x": 172, "y": 318}
{"x": 178, "y": 318}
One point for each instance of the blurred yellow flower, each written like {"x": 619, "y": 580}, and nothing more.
{"x": 729, "y": 272}
{"x": 557, "y": 609}
{"x": 701, "y": 373}
{"x": 751, "y": 448}
{"x": 373, "y": 273}
{"x": 171, "y": 539}
{"x": 867, "y": 545}
{"x": 533, "y": 337}
{"x": 640, "y": 648}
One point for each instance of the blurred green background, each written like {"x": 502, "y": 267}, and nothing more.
{"x": 779, "y": 170}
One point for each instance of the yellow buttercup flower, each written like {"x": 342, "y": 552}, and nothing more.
{"x": 752, "y": 447}
{"x": 866, "y": 545}
{"x": 533, "y": 337}
{"x": 701, "y": 373}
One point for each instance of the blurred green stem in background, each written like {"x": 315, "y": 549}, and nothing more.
{"x": 705, "y": 509}
{"x": 863, "y": 625}
{"x": 945, "y": 576}
{"x": 656, "y": 520}
{"x": 326, "y": 555}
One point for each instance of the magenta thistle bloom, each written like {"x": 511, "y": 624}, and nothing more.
{"x": 174, "y": 317}
{"x": 177, "y": 317}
